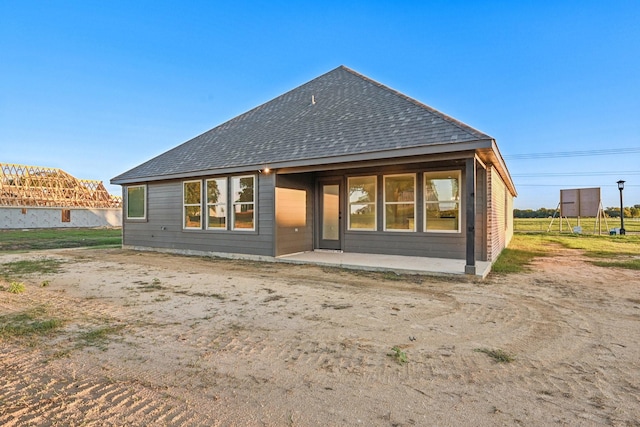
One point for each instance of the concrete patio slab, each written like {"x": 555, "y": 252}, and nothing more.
{"x": 395, "y": 263}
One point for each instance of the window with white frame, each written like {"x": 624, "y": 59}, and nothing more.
{"x": 136, "y": 202}
{"x": 442, "y": 201}
{"x": 217, "y": 203}
{"x": 362, "y": 203}
{"x": 192, "y": 204}
{"x": 399, "y": 202}
{"x": 243, "y": 197}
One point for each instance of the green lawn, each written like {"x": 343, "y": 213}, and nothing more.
{"x": 24, "y": 240}
{"x": 603, "y": 250}
{"x": 589, "y": 225}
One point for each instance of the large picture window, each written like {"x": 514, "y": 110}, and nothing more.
{"x": 362, "y": 203}
{"x": 137, "y": 202}
{"x": 399, "y": 202}
{"x": 243, "y": 196}
{"x": 192, "y": 198}
{"x": 217, "y": 203}
{"x": 442, "y": 201}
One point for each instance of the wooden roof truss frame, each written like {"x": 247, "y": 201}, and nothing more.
{"x": 23, "y": 185}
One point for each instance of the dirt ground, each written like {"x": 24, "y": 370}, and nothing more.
{"x": 157, "y": 339}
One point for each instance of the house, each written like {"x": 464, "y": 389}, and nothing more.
{"x": 340, "y": 163}
{"x": 46, "y": 197}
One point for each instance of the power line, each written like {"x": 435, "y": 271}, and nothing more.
{"x": 544, "y": 174}
{"x": 574, "y": 185}
{"x": 582, "y": 153}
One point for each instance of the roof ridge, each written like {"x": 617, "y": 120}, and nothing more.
{"x": 360, "y": 116}
{"x": 463, "y": 126}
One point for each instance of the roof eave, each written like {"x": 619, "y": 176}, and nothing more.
{"x": 432, "y": 149}
{"x": 492, "y": 155}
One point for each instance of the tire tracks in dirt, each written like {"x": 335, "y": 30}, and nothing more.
{"x": 204, "y": 341}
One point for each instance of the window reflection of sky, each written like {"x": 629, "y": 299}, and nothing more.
{"x": 444, "y": 191}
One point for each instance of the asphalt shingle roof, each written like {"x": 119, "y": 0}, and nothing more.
{"x": 338, "y": 114}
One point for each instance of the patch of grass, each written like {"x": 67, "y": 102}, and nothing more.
{"x": 607, "y": 251}
{"x": 22, "y": 268}
{"x": 522, "y": 250}
{"x": 391, "y": 275}
{"x": 32, "y": 322}
{"x": 59, "y": 354}
{"x": 98, "y": 337}
{"x": 600, "y": 245}
{"x": 399, "y": 355}
{"x": 500, "y": 356}
{"x": 633, "y": 264}
{"x": 21, "y": 240}
{"x": 150, "y": 287}
{"x": 16, "y": 288}
{"x": 514, "y": 261}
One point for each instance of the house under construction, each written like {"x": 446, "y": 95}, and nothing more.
{"x": 43, "y": 197}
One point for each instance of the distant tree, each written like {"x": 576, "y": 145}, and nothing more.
{"x": 530, "y": 213}
{"x": 520, "y": 213}
{"x": 544, "y": 213}
{"x": 246, "y": 190}
{"x": 612, "y": 212}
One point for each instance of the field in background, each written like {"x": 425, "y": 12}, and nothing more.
{"x": 24, "y": 240}
{"x": 589, "y": 226}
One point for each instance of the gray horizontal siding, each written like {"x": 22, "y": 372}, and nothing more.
{"x": 163, "y": 228}
{"x": 408, "y": 244}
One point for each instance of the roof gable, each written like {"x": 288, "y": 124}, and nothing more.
{"x": 338, "y": 114}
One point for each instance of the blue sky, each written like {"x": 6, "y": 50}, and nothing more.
{"x": 98, "y": 87}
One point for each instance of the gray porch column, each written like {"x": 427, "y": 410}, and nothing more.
{"x": 470, "y": 203}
